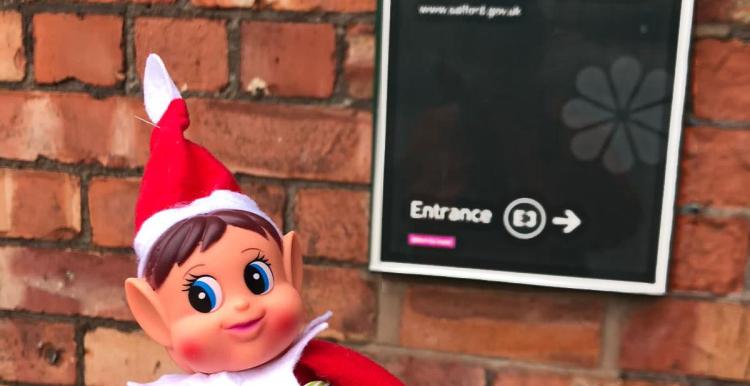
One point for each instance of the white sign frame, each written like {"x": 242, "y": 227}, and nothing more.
{"x": 668, "y": 199}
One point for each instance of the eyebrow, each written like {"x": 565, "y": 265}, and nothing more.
{"x": 191, "y": 268}
{"x": 251, "y": 249}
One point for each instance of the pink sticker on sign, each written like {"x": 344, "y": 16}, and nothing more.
{"x": 431, "y": 241}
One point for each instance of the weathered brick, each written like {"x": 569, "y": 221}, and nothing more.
{"x": 290, "y": 59}
{"x": 359, "y": 66}
{"x": 64, "y": 282}
{"x": 525, "y": 378}
{"x": 427, "y": 372}
{"x": 525, "y": 325}
{"x": 224, "y": 3}
{"x": 12, "y": 56}
{"x": 721, "y": 82}
{"x": 722, "y": 11}
{"x": 710, "y": 254}
{"x": 715, "y": 167}
{"x": 712, "y": 31}
{"x": 347, "y": 6}
{"x": 112, "y": 209}
{"x": 270, "y": 198}
{"x": 687, "y": 337}
{"x": 285, "y": 141}
{"x": 741, "y": 12}
{"x": 37, "y": 352}
{"x": 39, "y": 204}
{"x": 114, "y": 357}
{"x": 333, "y": 223}
{"x": 348, "y": 294}
{"x": 86, "y": 48}
{"x": 308, "y": 142}
{"x": 60, "y": 126}
{"x": 194, "y": 50}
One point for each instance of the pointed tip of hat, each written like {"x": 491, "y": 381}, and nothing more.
{"x": 158, "y": 88}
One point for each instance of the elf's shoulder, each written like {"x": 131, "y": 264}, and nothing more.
{"x": 340, "y": 366}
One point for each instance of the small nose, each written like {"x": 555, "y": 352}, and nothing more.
{"x": 241, "y": 305}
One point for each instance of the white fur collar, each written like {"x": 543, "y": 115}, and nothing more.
{"x": 279, "y": 372}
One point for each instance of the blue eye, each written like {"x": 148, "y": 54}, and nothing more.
{"x": 204, "y": 294}
{"x": 258, "y": 277}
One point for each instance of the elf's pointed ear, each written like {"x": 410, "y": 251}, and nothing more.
{"x": 293, "y": 260}
{"x": 147, "y": 310}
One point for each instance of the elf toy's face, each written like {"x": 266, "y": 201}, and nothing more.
{"x": 232, "y": 307}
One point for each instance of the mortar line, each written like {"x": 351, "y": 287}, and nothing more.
{"x": 131, "y": 86}
{"x": 234, "y": 58}
{"x": 90, "y": 321}
{"x": 80, "y": 332}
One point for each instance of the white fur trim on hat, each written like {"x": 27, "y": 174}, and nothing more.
{"x": 156, "y": 225}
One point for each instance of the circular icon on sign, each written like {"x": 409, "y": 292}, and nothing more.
{"x": 524, "y": 218}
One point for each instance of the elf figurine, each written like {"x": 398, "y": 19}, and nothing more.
{"x": 218, "y": 285}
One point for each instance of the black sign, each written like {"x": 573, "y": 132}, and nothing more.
{"x": 530, "y": 141}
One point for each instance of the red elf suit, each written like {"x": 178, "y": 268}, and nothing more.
{"x": 183, "y": 180}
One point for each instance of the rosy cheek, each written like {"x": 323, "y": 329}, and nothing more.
{"x": 191, "y": 351}
{"x": 287, "y": 322}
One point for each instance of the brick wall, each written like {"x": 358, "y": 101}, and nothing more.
{"x": 280, "y": 90}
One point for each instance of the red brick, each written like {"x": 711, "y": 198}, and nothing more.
{"x": 348, "y": 294}
{"x": 651, "y": 383}
{"x": 292, "y": 59}
{"x": 39, "y": 204}
{"x": 12, "y": 56}
{"x": 87, "y": 48}
{"x": 333, "y": 223}
{"x": 130, "y": 1}
{"x": 285, "y": 141}
{"x": 194, "y": 50}
{"x": 348, "y": 6}
{"x": 513, "y": 378}
{"x": 713, "y": 11}
{"x": 715, "y": 167}
{"x": 426, "y": 372}
{"x": 64, "y": 282}
{"x": 518, "y": 378}
{"x": 270, "y": 198}
{"x": 308, "y": 142}
{"x": 710, "y": 255}
{"x": 224, "y": 3}
{"x": 73, "y": 128}
{"x": 37, "y": 352}
{"x": 527, "y": 379}
{"x": 687, "y": 337}
{"x": 359, "y": 66}
{"x": 114, "y": 357}
{"x": 721, "y": 82}
{"x": 524, "y": 325}
{"x": 112, "y": 209}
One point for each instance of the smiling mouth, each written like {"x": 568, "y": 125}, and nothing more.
{"x": 245, "y": 326}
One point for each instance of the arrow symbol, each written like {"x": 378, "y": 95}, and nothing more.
{"x": 570, "y": 221}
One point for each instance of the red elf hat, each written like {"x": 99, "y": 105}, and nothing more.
{"x": 182, "y": 179}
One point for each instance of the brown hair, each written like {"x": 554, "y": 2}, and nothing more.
{"x": 179, "y": 241}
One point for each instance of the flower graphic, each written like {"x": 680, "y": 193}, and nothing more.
{"x": 619, "y": 116}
